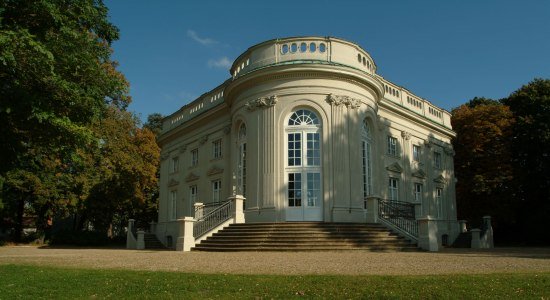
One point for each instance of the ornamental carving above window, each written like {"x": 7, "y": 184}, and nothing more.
{"x": 348, "y": 101}
{"x": 261, "y": 102}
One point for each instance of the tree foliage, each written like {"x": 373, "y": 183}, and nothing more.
{"x": 502, "y": 162}
{"x": 484, "y": 187}
{"x": 68, "y": 145}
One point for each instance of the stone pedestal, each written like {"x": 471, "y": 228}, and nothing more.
{"x": 476, "y": 243}
{"x": 463, "y": 228}
{"x": 186, "y": 240}
{"x": 199, "y": 210}
{"x": 427, "y": 234}
{"x": 372, "y": 210}
{"x": 130, "y": 238}
{"x": 238, "y": 204}
{"x": 487, "y": 238}
{"x": 140, "y": 245}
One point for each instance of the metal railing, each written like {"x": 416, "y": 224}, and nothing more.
{"x": 399, "y": 214}
{"x": 212, "y": 219}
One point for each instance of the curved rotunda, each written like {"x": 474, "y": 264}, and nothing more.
{"x": 306, "y": 130}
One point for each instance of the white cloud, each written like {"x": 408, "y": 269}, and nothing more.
{"x": 203, "y": 41}
{"x": 222, "y": 62}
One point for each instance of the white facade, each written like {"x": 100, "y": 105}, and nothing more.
{"x": 306, "y": 130}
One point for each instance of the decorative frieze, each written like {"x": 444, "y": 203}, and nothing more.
{"x": 348, "y": 101}
{"x": 183, "y": 148}
{"x": 419, "y": 174}
{"x": 406, "y": 135}
{"x": 191, "y": 177}
{"x": 173, "y": 182}
{"x": 440, "y": 179}
{"x": 428, "y": 143}
{"x": 227, "y": 129}
{"x": 449, "y": 151}
{"x": 203, "y": 139}
{"x": 164, "y": 156}
{"x": 261, "y": 102}
{"x": 214, "y": 170}
{"x": 395, "y": 167}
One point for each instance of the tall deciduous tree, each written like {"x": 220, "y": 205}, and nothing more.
{"x": 56, "y": 77}
{"x": 125, "y": 165}
{"x": 531, "y": 152}
{"x": 483, "y": 163}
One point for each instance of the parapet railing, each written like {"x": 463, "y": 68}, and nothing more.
{"x": 212, "y": 219}
{"x": 399, "y": 214}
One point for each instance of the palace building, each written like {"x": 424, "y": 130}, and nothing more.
{"x": 306, "y": 130}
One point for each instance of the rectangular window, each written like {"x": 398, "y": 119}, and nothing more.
{"x": 313, "y": 189}
{"x": 418, "y": 192}
{"x": 174, "y": 165}
{"x": 392, "y": 146}
{"x": 173, "y": 205}
{"x": 217, "y": 148}
{"x": 437, "y": 160}
{"x": 439, "y": 202}
{"x": 416, "y": 153}
{"x": 193, "y": 194}
{"x": 313, "y": 149}
{"x": 393, "y": 189}
{"x": 294, "y": 189}
{"x": 216, "y": 190}
{"x": 194, "y": 157}
{"x": 294, "y": 149}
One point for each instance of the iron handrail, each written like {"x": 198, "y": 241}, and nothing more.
{"x": 400, "y": 214}
{"x": 212, "y": 219}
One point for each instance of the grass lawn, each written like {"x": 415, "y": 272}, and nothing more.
{"x": 24, "y": 281}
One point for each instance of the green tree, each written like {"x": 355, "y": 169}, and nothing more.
{"x": 154, "y": 123}
{"x": 56, "y": 77}
{"x": 483, "y": 163}
{"x": 531, "y": 153}
{"x": 125, "y": 165}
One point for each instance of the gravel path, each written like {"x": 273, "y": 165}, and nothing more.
{"x": 449, "y": 261}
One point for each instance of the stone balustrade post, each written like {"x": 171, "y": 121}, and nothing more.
{"x": 186, "y": 240}
{"x": 487, "y": 238}
{"x": 463, "y": 227}
{"x": 130, "y": 238}
{"x": 238, "y": 207}
{"x": 476, "y": 243}
{"x": 153, "y": 227}
{"x": 372, "y": 209}
{"x": 427, "y": 234}
{"x": 199, "y": 210}
{"x": 140, "y": 245}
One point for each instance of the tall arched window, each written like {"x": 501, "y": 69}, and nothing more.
{"x": 366, "y": 160}
{"x": 303, "y": 167}
{"x": 241, "y": 166}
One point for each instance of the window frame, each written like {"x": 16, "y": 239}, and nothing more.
{"x": 392, "y": 145}
{"x": 416, "y": 152}
{"x": 174, "y": 164}
{"x": 437, "y": 160}
{"x": 195, "y": 157}
{"x": 216, "y": 190}
{"x": 173, "y": 205}
{"x": 393, "y": 190}
{"x": 217, "y": 147}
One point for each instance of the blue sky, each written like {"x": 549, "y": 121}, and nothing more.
{"x": 445, "y": 51}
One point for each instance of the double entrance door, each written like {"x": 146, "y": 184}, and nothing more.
{"x": 304, "y": 201}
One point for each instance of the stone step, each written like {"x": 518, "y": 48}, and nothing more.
{"x": 307, "y": 249}
{"x": 305, "y": 236}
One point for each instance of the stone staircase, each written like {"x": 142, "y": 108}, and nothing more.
{"x": 151, "y": 242}
{"x": 305, "y": 236}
